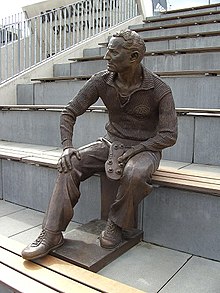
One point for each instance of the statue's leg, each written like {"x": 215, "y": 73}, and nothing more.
{"x": 64, "y": 197}
{"x": 135, "y": 184}
{"x": 66, "y": 190}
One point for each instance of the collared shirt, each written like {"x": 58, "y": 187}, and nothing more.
{"x": 147, "y": 115}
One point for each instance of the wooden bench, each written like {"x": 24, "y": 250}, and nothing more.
{"x": 50, "y": 274}
{"x": 180, "y": 175}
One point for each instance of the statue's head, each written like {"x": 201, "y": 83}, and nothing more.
{"x": 132, "y": 41}
{"x": 125, "y": 51}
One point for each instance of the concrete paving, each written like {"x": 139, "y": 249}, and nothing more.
{"x": 148, "y": 267}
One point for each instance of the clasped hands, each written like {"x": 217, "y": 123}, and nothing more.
{"x": 64, "y": 163}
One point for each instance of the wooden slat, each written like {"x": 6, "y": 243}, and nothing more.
{"x": 61, "y": 78}
{"x": 160, "y": 73}
{"x": 173, "y": 25}
{"x": 41, "y": 274}
{"x": 184, "y": 176}
{"x": 187, "y": 185}
{"x": 15, "y": 280}
{"x": 101, "y": 283}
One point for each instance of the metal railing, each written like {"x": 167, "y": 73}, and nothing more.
{"x": 26, "y": 42}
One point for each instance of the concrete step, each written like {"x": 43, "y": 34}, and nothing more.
{"x": 175, "y": 32}
{"x": 189, "y": 43}
{"x": 178, "y": 22}
{"x": 198, "y": 139}
{"x": 206, "y": 61}
{"x": 186, "y": 94}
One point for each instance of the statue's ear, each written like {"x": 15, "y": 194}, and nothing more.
{"x": 135, "y": 56}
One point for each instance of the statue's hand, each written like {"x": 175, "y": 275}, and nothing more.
{"x": 130, "y": 153}
{"x": 64, "y": 163}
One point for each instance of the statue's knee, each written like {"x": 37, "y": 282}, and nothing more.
{"x": 134, "y": 175}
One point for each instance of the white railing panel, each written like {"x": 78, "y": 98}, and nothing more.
{"x": 25, "y": 42}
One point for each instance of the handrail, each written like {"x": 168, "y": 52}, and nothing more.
{"x": 26, "y": 42}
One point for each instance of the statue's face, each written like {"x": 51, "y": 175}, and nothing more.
{"x": 118, "y": 57}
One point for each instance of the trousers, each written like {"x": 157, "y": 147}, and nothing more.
{"x": 134, "y": 185}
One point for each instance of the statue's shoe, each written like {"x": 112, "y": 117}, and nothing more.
{"x": 111, "y": 237}
{"x": 46, "y": 242}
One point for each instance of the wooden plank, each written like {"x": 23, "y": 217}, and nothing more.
{"x": 173, "y": 25}
{"x": 21, "y": 283}
{"x": 160, "y": 73}
{"x": 58, "y": 108}
{"x": 61, "y": 78}
{"x": 184, "y": 176}
{"x": 41, "y": 274}
{"x": 187, "y": 185}
{"x": 95, "y": 280}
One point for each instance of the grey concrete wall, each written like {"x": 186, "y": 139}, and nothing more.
{"x": 195, "y": 92}
{"x": 184, "y": 221}
{"x": 183, "y": 43}
{"x": 42, "y": 127}
{"x": 87, "y": 68}
{"x": 56, "y": 92}
{"x": 207, "y": 140}
{"x": 25, "y": 94}
{"x": 37, "y": 127}
{"x": 31, "y": 186}
{"x": 179, "y": 62}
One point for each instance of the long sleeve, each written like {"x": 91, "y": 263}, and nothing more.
{"x": 166, "y": 135}
{"x": 87, "y": 96}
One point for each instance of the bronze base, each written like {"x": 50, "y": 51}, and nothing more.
{"x": 82, "y": 248}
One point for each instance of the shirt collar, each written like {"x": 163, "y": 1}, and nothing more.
{"x": 147, "y": 83}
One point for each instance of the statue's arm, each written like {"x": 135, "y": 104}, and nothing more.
{"x": 87, "y": 96}
{"x": 166, "y": 135}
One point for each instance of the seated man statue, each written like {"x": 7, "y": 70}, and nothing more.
{"x": 142, "y": 122}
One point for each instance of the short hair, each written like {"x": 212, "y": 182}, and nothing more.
{"x": 132, "y": 40}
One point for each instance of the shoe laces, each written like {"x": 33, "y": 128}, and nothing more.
{"x": 39, "y": 238}
{"x": 111, "y": 228}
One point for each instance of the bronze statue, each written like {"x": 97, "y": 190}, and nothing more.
{"x": 142, "y": 122}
